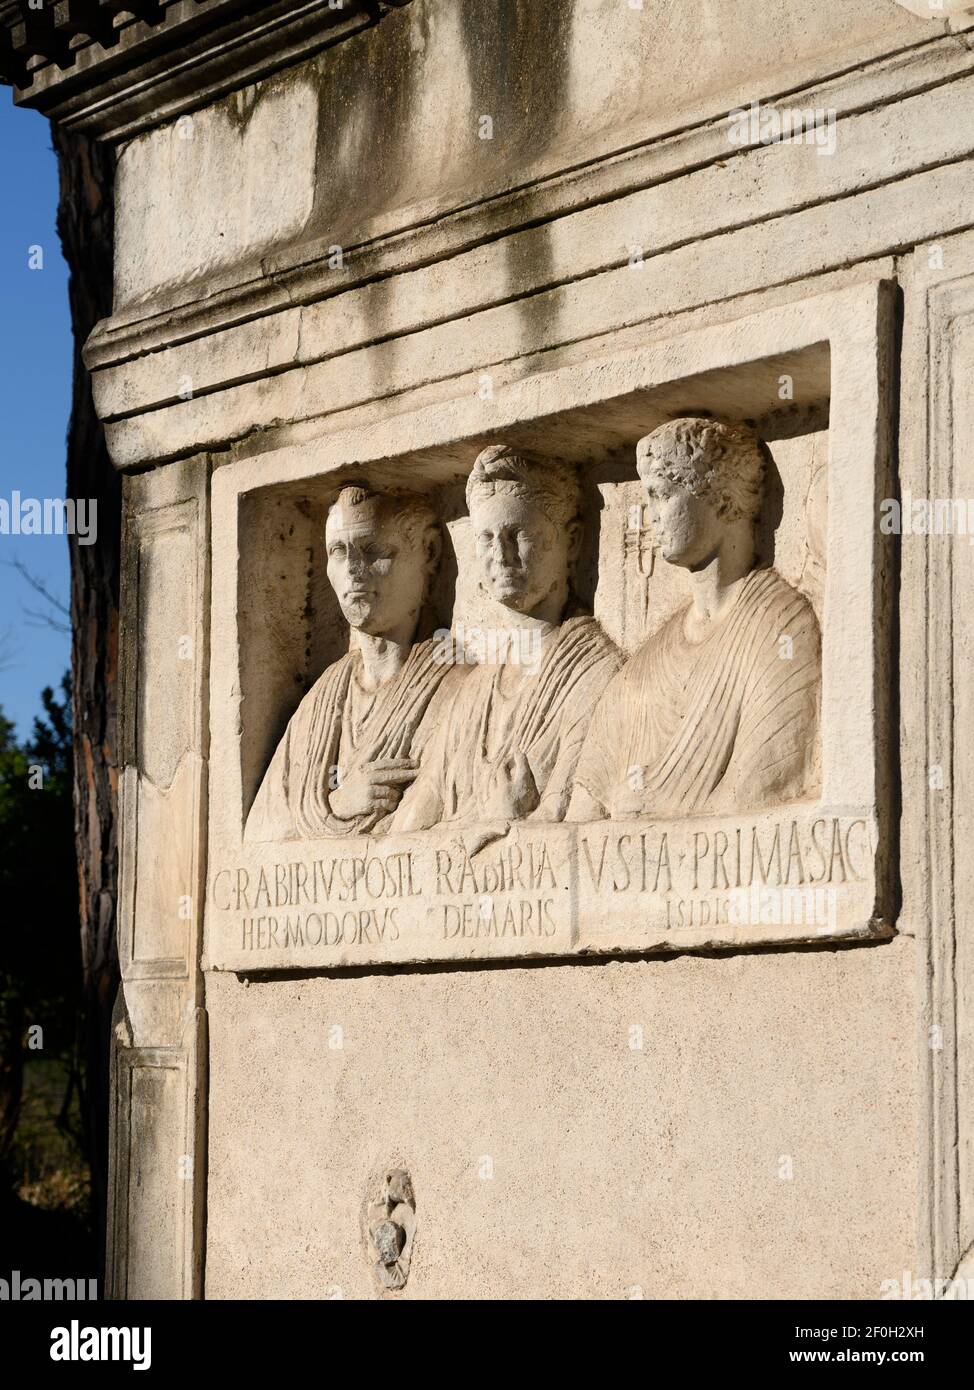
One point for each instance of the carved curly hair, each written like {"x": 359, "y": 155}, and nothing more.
{"x": 551, "y": 483}
{"x": 721, "y": 462}
{"x": 414, "y": 514}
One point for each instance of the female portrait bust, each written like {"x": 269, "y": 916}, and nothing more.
{"x": 718, "y": 710}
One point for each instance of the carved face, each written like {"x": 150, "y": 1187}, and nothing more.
{"x": 378, "y": 574}
{"x": 523, "y": 557}
{"x": 686, "y": 527}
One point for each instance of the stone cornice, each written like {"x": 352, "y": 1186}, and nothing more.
{"x": 113, "y": 68}
{"x": 283, "y": 281}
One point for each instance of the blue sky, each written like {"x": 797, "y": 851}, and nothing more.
{"x": 35, "y": 402}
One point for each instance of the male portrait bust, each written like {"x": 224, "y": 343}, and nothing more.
{"x": 515, "y": 728}
{"x": 353, "y": 744}
{"x": 718, "y": 710}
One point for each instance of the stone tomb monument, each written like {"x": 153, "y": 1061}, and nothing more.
{"x": 599, "y": 677}
{"x": 543, "y": 802}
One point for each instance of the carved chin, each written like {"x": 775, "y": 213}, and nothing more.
{"x": 511, "y": 596}
{"x": 358, "y": 612}
{"x": 673, "y": 550}
{"x": 505, "y": 587}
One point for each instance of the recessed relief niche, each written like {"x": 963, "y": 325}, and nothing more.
{"x": 476, "y": 669}
{"x": 541, "y": 694}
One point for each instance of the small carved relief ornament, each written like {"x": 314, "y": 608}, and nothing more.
{"x": 392, "y": 1228}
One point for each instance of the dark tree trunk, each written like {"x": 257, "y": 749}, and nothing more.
{"x": 11, "y": 1068}
{"x": 85, "y": 229}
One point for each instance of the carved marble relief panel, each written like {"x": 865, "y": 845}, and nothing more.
{"x": 530, "y": 698}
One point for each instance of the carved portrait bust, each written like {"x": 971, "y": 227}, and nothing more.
{"x": 352, "y": 746}
{"x": 718, "y": 710}
{"x": 515, "y": 728}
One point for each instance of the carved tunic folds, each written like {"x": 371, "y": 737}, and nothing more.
{"x": 724, "y": 723}
{"x": 324, "y": 740}
{"x": 509, "y": 749}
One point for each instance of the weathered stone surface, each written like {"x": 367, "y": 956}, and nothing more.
{"x": 648, "y": 1098}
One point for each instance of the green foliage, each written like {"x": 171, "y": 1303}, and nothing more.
{"x": 50, "y": 1169}
{"x": 40, "y": 959}
{"x": 39, "y": 935}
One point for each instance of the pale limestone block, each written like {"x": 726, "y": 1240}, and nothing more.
{"x": 209, "y": 189}
{"x": 555, "y": 252}
{"x": 763, "y": 1102}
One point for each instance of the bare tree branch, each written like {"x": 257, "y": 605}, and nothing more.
{"x": 37, "y": 617}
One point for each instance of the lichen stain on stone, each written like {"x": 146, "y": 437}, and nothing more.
{"x": 515, "y": 61}
{"x": 239, "y": 106}
{"x": 366, "y": 91}
{"x": 517, "y": 64}
{"x": 515, "y": 58}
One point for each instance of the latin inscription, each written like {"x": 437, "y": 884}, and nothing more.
{"x": 526, "y": 893}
